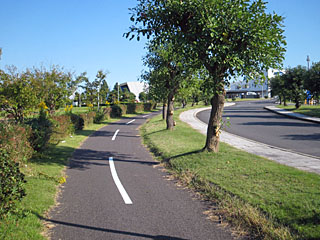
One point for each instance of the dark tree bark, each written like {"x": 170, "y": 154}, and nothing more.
{"x": 170, "y": 121}
{"x": 213, "y": 132}
{"x": 164, "y": 111}
{"x": 184, "y": 103}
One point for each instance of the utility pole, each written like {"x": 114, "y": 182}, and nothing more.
{"x": 0, "y": 59}
{"x": 308, "y": 61}
{"x": 118, "y": 91}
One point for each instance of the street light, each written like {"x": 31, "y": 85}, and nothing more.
{"x": 308, "y": 61}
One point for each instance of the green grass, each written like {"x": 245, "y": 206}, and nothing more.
{"x": 272, "y": 200}
{"x": 43, "y": 174}
{"x": 309, "y": 110}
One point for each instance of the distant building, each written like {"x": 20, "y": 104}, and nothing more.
{"x": 134, "y": 87}
{"x": 253, "y": 88}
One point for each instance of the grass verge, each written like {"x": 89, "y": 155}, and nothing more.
{"x": 309, "y": 110}
{"x": 269, "y": 200}
{"x": 43, "y": 173}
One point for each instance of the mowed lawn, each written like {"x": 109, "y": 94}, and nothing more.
{"x": 309, "y": 110}
{"x": 269, "y": 200}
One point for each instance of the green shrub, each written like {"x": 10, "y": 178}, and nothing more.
{"x": 233, "y": 99}
{"x": 42, "y": 129}
{"x": 99, "y": 117}
{"x": 14, "y": 140}
{"x": 107, "y": 112}
{"x": 131, "y": 108}
{"x": 11, "y": 183}
{"x": 77, "y": 121}
{"x": 148, "y": 106}
{"x": 62, "y": 127}
{"x": 87, "y": 118}
{"x": 116, "y": 111}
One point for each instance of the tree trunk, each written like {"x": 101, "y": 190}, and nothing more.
{"x": 164, "y": 111}
{"x": 184, "y": 103}
{"x": 284, "y": 101}
{"x": 170, "y": 122}
{"x": 213, "y": 132}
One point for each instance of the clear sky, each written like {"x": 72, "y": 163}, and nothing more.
{"x": 86, "y": 35}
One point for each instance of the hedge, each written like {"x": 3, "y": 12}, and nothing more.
{"x": 15, "y": 149}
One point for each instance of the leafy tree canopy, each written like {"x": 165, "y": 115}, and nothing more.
{"x": 229, "y": 37}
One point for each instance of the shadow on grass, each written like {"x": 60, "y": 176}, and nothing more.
{"x": 55, "y": 154}
{"x": 183, "y": 155}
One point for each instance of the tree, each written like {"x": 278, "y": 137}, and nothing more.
{"x": 53, "y": 86}
{"x": 171, "y": 69}
{"x": 156, "y": 89}
{"x": 143, "y": 97}
{"x": 17, "y": 95}
{"x": 278, "y": 89}
{"x": 293, "y": 82}
{"x": 104, "y": 91}
{"x": 312, "y": 81}
{"x": 98, "y": 83}
{"x": 229, "y": 38}
{"x": 127, "y": 96}
{"x": 115, "y": 94}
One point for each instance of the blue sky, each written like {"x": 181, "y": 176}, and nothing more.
{"x": 86, "y": 35}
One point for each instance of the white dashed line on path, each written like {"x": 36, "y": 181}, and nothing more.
{"x": 130, "y": 121}
{"x": 119, "y": 185}
{"x": 115, "y": 135}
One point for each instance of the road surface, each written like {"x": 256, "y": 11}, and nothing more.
{"x": 250, "y": 120}
{"x": 115, "y": 190}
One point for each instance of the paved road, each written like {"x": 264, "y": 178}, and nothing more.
{"x": 250, "y": 120}
{"x": 148, "y": 207}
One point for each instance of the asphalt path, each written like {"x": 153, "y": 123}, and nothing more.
{"x": 251, "y": 121}
{"x": 115, "y": 190}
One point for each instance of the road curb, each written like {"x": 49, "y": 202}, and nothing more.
{"x": 290, "y": 114}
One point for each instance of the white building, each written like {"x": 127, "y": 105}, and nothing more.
{"x": 253, "y": 88}
{"x": 134, "y": 87}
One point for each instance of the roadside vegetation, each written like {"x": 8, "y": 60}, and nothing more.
{"x": 309, "y": 110}
{"x": 298, "y": 85}
{"x": 255, "y": 195}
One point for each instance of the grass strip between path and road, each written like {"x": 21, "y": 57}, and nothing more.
{"x": 254, "y": 194}
{"x": 44, "y": 173}
{"x": 309, "y": 110}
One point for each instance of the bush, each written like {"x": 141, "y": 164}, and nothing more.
{"x": 233, "y": 99}
{"x": 14, "y": 140}
{"x": 116, "y": 111}
{"x": 42, "y": 129}
{"x": 99, "y": 117}
{"x": 131, "y": 108}
{"x": 62, "y": 127}
{"x": 148, "y": 106}
{"x": 107, "y": 112}
{"x": 77, "y": 121}
{"x": 87, "y": 118}
{"x": 11, "y": 183}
